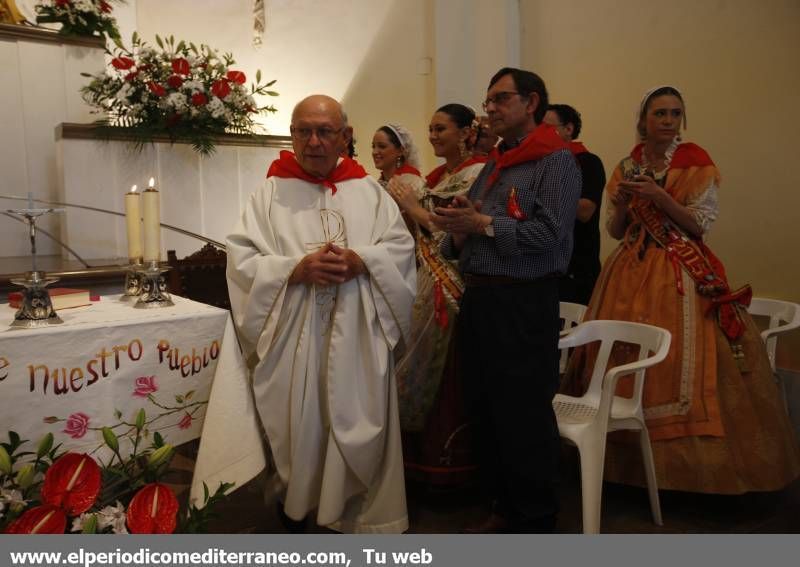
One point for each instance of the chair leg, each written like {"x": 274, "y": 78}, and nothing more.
{"x": 592, "y": 457}
{"x": 650, "y": 473}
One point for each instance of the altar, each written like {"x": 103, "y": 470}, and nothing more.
{"x": 106, "y": 362}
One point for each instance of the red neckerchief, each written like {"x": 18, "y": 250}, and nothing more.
{"x": 686, "y": 155}
{"x": 433, "y": 178}
{"x": 286, "y": 167}
{"x": 540, "y": 142}
{"x": 577, "y": 148}
{"x": 405, "y": 168}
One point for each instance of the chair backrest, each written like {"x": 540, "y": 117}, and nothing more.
{"x": 200, "y": 276}
{"x": 571, "y": 314}
{"x": 783, "y": 316}
{"x": 653, "y": 345}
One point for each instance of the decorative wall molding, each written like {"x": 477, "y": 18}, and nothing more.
{"x": 42, "y": 35}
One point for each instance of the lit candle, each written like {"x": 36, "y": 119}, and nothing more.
{"x": 152, "y": 223}
{"x": 133, "y": 222}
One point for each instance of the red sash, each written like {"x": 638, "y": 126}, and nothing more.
{"x": 540, "y": 142}
{"x": 405, "y": 168}
{"x": 287, "y": 167}
{"x": 577, "y": 148}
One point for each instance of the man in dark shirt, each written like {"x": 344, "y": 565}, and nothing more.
{"x": 584, "y": 266}
{"x": 512, "y": 236}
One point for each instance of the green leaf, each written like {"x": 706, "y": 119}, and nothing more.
{"x": 111, "y": 439}
{"x": 272, "y": 82}
{"x": 179, "y": 399}
{"x": 117, "y": 414}
{"x": 159, "y": 42}
{"x": 45, "y": 445}
{"x": 188, "y": 395}
{"x": 271, "y": 93}
{"x": 158, "y": 441}
{"x": 140, "y": 419}
{"x": 5, "y": 461}
{"x": 258, "y": 76}
{"x": 90, "y": 525}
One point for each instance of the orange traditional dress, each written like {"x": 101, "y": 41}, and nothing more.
{"x": 713, "y": 409}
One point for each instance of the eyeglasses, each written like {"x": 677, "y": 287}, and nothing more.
{"x": 500, "y": 98}
{"x": 323, "y": 134}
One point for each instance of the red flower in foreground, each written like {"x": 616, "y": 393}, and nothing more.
{"x": 40, "y": 520}
{"x": 153, "y": 510}
{"x": 145, "y": 385}
{"x": 180, "y": 66}
{"x": 199, "y": 99}
{"x": 185, "y": 422}
{"x": 174, "y": 81}
{"x": 156, "y": 89}
{"x": 122, "y": 63}
{"x": 77, "y": 424}
{"x": 62, "y": 2}
{"x": 105, "y": 7}
{"x": 72, "y": 483}
{"x": 220, "y": 88}
{"x": 236, "y": 77}
{"x": 131, "y": 76}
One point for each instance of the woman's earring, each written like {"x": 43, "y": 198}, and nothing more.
{"x": 462, "y": 148}
{"x": 399, "y": 161}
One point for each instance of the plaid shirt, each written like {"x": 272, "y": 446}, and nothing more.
{"x": 547, "y": 192}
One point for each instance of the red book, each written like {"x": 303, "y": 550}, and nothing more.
{"x": 62, "y": 297}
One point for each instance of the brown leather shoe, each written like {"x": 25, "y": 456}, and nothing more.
{"x": 491, "y": 524}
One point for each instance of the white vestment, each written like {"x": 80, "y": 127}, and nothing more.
{"x": 323, "y": 374}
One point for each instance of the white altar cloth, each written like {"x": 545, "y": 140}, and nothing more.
{"x": 108, "y": 361}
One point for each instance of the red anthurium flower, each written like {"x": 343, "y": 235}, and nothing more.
{"x": 72, "y": 483}
{"x": 153, "y": 510}
{"x": 62, "y": 2}
{"x": 156, "y": 89}
{"x": 221, "y": 88}
{"x": 174, "y": 81}
{"x": 122, "y": 63}
{"x": 45, "y": 519}
{"x": 199, "y": 99}
{"x": 105, "y": 7}
{"x": 180, "y": 66}
{"x": 236, "y": 77}
{"x": 131, "y": 76}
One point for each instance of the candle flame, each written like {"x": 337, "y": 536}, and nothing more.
{"x": 152, "y": 182}
{"x": 133, "y": 189}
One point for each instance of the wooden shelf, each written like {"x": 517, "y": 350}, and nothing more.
{"x": 43, "y": 35}
{"x": 71, "y": 131}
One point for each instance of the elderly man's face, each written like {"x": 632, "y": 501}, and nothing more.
{"x": 318, "y": 136}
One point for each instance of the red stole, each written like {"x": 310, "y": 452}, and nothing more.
{"x": 405, "y": 168}
{"x": 540, "y": 142}
{"x": 433, "y": 178}
{"x": 287, "y": 167}
{"x": 686, "y": 155}
{"x": 577, "y": 148}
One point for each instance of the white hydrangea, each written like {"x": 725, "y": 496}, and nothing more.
{"x": 216, "y": 107}
{"x": 178, "y": 101}
{"x": 113, "y": 516}
{"x": 194, "y": 86}
{"x": 124, "y": 93}
{"x": 86, "y": 6}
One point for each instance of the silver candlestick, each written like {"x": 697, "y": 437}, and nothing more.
{"x": 133, "y": 281}
{"x": 36, "y": 308}
{"x": 154, "y": 287}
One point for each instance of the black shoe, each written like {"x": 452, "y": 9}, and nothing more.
{"x": 290, "y": 525}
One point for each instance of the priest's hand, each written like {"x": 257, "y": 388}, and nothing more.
{"x": 323, "y": 267}
{"x": 355, "y": 265}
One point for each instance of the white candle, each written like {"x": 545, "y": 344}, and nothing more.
{"x": 152, "y": 223}
{"x": 133, "y": 223}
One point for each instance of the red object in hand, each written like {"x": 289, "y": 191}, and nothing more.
{"x": 512, "y": 206}
{"x": 72, "y": 483}
{"x": 153, "y": 510}
{"x": 45, "y": 519}
{"x": 236, "y": 77}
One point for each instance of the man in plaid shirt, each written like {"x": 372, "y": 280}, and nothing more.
{"x": 512, "y": 236}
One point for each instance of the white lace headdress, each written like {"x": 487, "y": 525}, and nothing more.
{"x": 406, "y": 144}
{"x": 647, "y": 96}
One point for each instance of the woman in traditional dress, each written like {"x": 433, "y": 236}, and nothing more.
{"x": 394, "y": 153}
{"x": 714, "y": 412}
{"x": 436, "y": 443}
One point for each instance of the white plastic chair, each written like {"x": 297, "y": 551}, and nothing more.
{"x": 585, "y": 421}
{"x": 571, "y": 314}
{"x": 778, "y": 312}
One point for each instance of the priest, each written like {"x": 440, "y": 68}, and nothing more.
{"x": 322, "y": 278}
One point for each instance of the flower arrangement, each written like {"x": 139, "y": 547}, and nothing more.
{"x": 78, "y": 17}
{"x": 185, "y": 91}
{"x": 43, "y": 491}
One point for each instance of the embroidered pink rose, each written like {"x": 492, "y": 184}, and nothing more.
{"x": 145, "y": 385}
{"x": 77, "y": 425}
{"x": 185, "y": 422}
